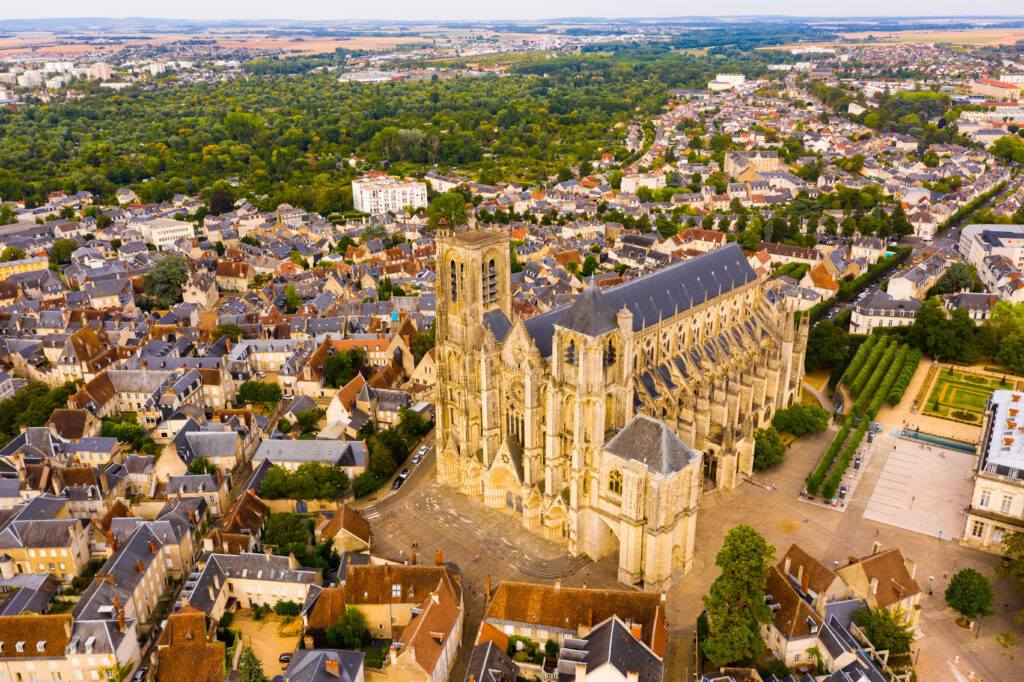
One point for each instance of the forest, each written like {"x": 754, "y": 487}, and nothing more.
{"x": 290, "y": 136}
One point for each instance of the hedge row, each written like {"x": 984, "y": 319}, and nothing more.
{"x": 818, "y": 475}
{"x": 875, "y": 379}
{"x": 869, "y": 367}
{"x": 859, "y": 359}
{"x": 891, "y": 374}
{"x": 903, "y": 380}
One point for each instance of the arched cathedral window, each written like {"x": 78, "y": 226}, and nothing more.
{"x": 615, "y": 482}
{"x": 609, "y": 354}
{"x": 454, "y": 283}
{"x": 570, "y": 353}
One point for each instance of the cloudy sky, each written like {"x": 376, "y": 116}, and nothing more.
{"x": 475, "y": 9}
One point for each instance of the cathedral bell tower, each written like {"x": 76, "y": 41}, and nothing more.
{"x": 474, "y": 299}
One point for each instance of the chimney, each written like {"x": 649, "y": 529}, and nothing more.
{"x": 874, "y": 586}
{"x": 331, "y": 666}
{"x": 412, "y": 559}
{"x": 67, "y": 628}
{"x": 487, "y": 595}
{"x": 438, "y": 558}
{"x": 145, "y": 364}
{"x": 267, "y": 552}
{"x": 876, "y": 547}
{"x": 191, "y": 516}
{"x": 220, "y": 478}
{"x": 152, "y": 546}
{"x": 138, "y": 562}
{"x": 558, "y": 583}
{"x": 117, "y": 604}
{"x": 308, "y": 641}
{"x": 786, "y": 569}
{"x": 632, "y": 676}
{"x": 799, "y": 572}
{"x": 111, "y": 541}
{"x": 636, "y": 629}
{"x": 911, "y": 567}
{"x": 664, "y": 597}
{"x": 435, "y": 597}
{"x": 581, "y": 672}
{"x": 121, "y": 624}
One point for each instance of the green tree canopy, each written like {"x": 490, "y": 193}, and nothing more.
{"x": 970, "y": 594}
{"x": 165, "y": 281}
{"x": 201, "y": 465}
{"x": 350, "y": 632}
{"x": 735, "y": 602}
{"x": 250, "y": 667}
{"x": 768, "y": 448}
{"x": 11, "y": 253}
{"x": 449, "y": 207}
{"x": 62, "y": 249}
{"x": 292, "y": 300}
{"x": 230, "y": 330}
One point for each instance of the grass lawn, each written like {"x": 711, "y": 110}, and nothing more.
{"x": 961, "y": 395}
{"x": 818, "y": 379}
{"x": 375, "y": 654}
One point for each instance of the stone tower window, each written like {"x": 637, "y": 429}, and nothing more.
{"x": 454, "y": 283}
{"x": 490, "y": 282}
{"x": 609, "y": 354}
{"x": 615, "y": 482}
{"x": 570, "y": 353}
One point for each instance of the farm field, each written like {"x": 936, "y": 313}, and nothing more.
{"x": 976, "y": 37}
{"x": 961, "y": 395}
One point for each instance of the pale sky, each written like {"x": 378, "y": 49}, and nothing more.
{"x": 486, "y": 9}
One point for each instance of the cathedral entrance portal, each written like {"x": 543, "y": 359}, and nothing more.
{"x": 514, "y": 502}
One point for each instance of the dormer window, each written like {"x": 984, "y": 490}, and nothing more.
{"x": 396, "y": 591}
{"x": 41, "y": 646}
{"x": 20, "y": 646}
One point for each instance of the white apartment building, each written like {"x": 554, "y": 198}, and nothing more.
{"x": 633, "y": 181}
{"x": 982, "y": 240}
{"x": 163, "y": 231}
{"x": 997, "y": 505}
{"x": 381, "y": 193}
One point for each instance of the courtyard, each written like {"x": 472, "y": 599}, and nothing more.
{"x": 269, "y": 637}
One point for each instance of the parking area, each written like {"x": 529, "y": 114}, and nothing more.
{"x": 269, "y": 638}
{"x": 923, "y": 488}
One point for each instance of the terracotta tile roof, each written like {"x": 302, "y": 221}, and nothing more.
{"x": 821, "y": 278}
{"x": 568, "y": 608}
{"x": 117, "y": 510}
{"x": 184, "y": 653}
{"x": 54, "y": 631}
{"x": 248, "y": 513}
{"x": 894, "y": 580}
{"x": 69, "y": 424}
{"x": 328, "y": 608}
{"x": 99, "y": 389}
{"x": 794, "y": 616}
{"x": 427, "y": 634}
{"x": 348, "y": 519}
{"x": 489, "y": 633}
{"x": 817, "y": 576}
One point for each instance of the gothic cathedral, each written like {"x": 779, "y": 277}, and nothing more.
{"x": 600, "y": 424}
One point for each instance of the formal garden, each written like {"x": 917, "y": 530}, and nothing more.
{"x": 960, "y": 395}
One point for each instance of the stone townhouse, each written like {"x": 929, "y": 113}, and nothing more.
{"x": 41, "y": 536}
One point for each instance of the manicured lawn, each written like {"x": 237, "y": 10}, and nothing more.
{"x": 962, "y": 395}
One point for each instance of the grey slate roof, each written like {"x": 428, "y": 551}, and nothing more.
{"x": 661, "y": 294}
{"x": 610, "y": 643}
{"x": 651, "y": 441}
{"x": 590, "y": 314}
{"x": 488, "y": 663}
{"x": 310, "y": 665}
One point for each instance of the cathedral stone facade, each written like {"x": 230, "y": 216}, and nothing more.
{"x": 600, "y": 424}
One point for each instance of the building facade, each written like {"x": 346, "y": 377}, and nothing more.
{"x": 383, "y": 193}
{"x": 599, "y": 424}
{"x": 997, "y": 505}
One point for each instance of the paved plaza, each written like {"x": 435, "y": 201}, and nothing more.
{"x": 486, "y": 542}
{"x": 923, "y": 488}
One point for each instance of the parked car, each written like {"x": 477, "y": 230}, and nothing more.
{"x": 286, "y": 657}
{"x": 140, "y": 674}
{"x": 398, "y": 483}
{"x": 416, "y": 458}
{"x": 405, "y": 473}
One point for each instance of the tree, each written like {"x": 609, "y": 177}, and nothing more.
{"x": 735, "y": 602}
{"x": 956, "y": 278}
{"x": 449, "y": 207}
{"x": 165, "y": 281}
{"x": 250, "y": 667}
{"x": 828, "y": 346}
{"x": 350, "y": 632}
{"x": 886, "y": 629}
{"x": 970, "y": 594}
{"x": 342, "y": 367}
{"x": 11, "y": 253}
{"x": 7, "y": 215}
{"x": 260, "y": 392}
{"x": 285, "y": 529}
{"x": 768, "y": 448}
{"x": 230, "y": 330}
{"x": 800, "y": 419}
{"x": 589, "y": 265}
{"x": 62, "y": 249}
{"x": 292, "y": 300}
{"x": 307, "y": 421}
{"x": 412, "y": 424}
{"x": 251, "y": 241}
{"x": 423, "y": 341}
{"x": 201, "y": 465}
